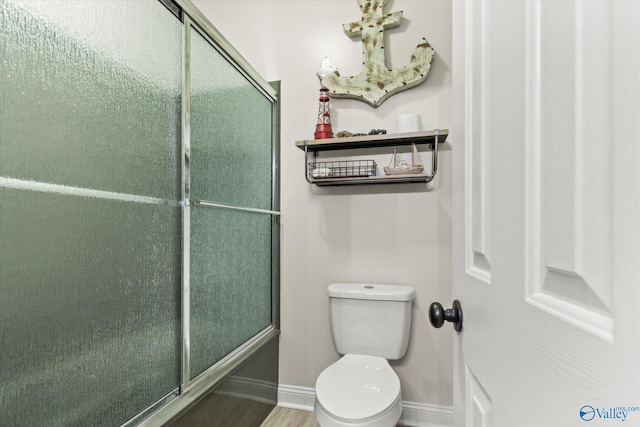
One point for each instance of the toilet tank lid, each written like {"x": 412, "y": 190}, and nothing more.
{"x": 371, "y": 291}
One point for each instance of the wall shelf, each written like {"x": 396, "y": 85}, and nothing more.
{"x": 373, "y": 141}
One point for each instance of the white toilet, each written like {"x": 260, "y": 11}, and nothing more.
{"x": 370, "y": 325}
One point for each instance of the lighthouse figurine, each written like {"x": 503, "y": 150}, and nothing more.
{"x": 323, "y": 128}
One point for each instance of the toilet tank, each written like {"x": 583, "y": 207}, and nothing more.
{"x": 371, "y": 319}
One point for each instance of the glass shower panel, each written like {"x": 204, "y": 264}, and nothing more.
{"x": 89, "y": 307}
{"x": 91, "y": 94}
{"x": 231, "y": 132}
{"x": 90, "y": 265}
{"x": 230, "y": 282}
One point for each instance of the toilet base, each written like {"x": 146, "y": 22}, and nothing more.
{"x": 387, "y": 419}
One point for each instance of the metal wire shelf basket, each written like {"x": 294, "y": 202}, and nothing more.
{"x": 342, "y": 169}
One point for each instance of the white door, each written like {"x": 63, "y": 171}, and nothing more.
{"x": 546, "y": 140}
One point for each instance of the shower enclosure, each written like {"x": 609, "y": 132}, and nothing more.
{"x": 139, "y": 210}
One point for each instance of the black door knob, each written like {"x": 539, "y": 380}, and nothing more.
{"x": 438, "y": 315}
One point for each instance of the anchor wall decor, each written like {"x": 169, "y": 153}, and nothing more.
{"x": 375, "y": 82}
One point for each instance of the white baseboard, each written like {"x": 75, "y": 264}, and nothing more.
{"x": 414, "y": 414}
{"x": 295, "y": 397}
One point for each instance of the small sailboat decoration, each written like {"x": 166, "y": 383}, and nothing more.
{"x": 398, "y": 167}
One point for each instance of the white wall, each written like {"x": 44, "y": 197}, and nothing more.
{"x": 398, "y": 233}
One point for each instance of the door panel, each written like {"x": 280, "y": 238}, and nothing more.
{"x": 478, "y": 402}
{"x": 568, "y": 174}
{"x": 477, "y": 159}
{"x": 546, "y": 221}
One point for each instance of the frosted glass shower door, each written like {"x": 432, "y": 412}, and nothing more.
{"x": 90, "y": 219}
{"x": 138, "y": 209}
{"x": 231, "y": 190}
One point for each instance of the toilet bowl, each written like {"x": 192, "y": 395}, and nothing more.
{"x": 358, "y": 391}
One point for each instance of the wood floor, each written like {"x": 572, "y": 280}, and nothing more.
{"x": 286, "y": 417}
{"x": 217, "y": 410}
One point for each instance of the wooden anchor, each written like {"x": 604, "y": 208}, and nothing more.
{"x": 375, "y": 82}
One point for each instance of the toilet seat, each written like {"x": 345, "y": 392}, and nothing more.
{"x": 358, "y": 388}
